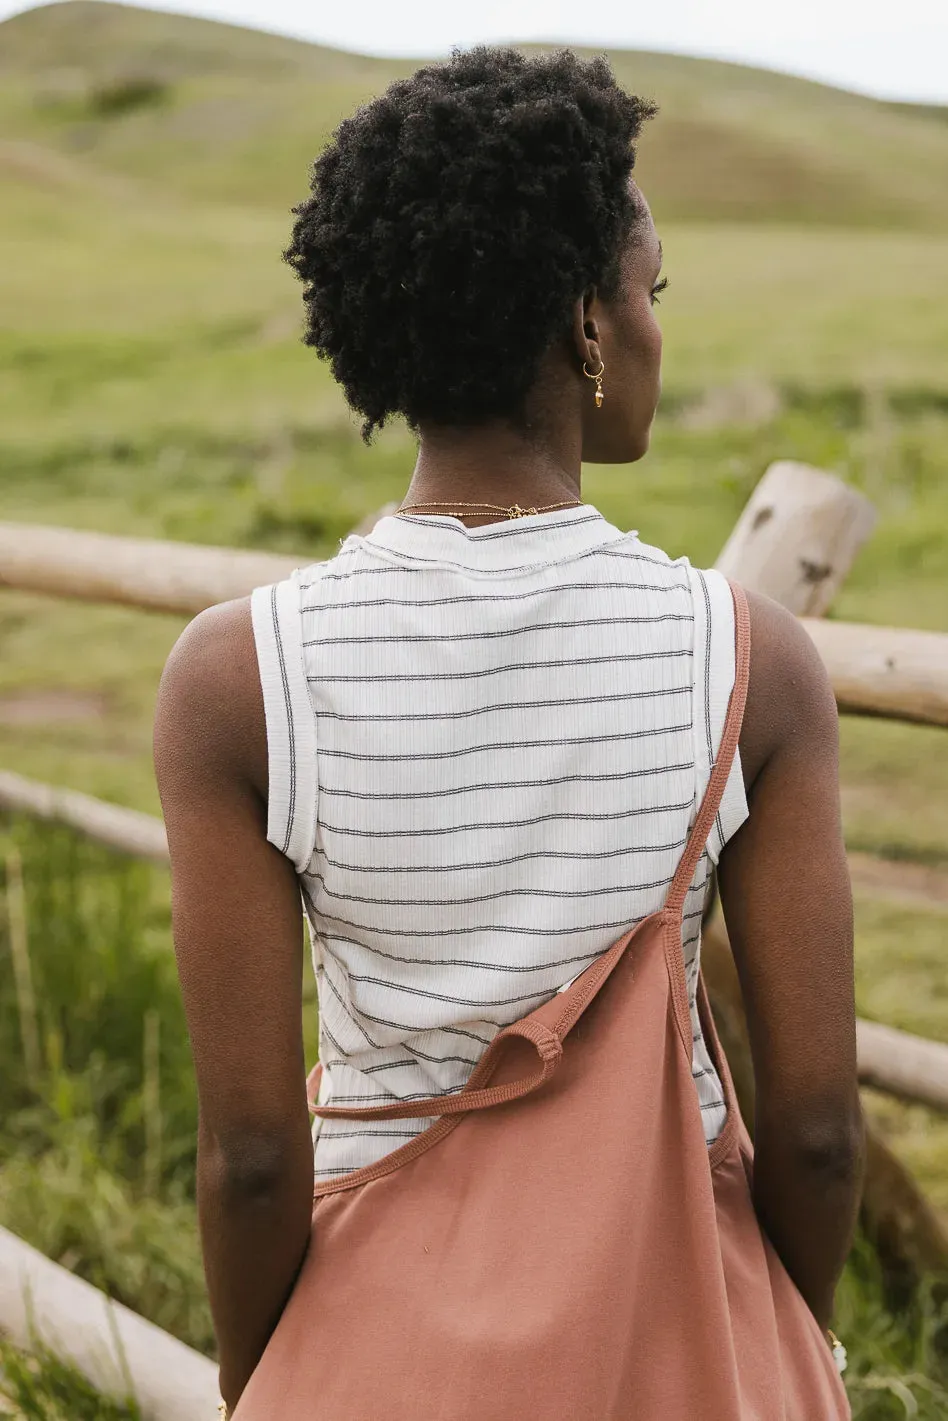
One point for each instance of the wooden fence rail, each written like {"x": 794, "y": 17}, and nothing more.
{"x": 121, "y": 1353}
{"x": 129, "y": 831}
{"x": 880, "y": 671}
{"x": 885, "y": 671}
{"x": 902, "y": 1064}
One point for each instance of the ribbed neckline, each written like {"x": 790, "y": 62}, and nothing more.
{"x": 509, "y": 543}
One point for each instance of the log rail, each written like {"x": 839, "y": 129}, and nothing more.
{"x": 123, "y": 1355}
{"x": 878, "y": 671}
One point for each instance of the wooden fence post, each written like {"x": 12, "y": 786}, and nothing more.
{"x": 798, "y": 537}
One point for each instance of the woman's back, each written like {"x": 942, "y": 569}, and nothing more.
{"x": 490, "y": 772}
{"x": 479, "y": 751}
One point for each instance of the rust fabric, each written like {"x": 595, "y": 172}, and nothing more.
{"x": 560, "y": 1243}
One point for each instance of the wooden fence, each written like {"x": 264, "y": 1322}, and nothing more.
{"x": 795, "y": 542}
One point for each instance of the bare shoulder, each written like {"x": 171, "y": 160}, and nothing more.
{"x": 790, "y": 701}
{"x": 209, "y": 711}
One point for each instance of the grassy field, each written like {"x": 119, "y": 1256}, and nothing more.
{"x": 152, "y": 382}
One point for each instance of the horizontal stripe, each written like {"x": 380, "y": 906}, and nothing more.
{"x": 379, "y": 1067}
{"x": 418, "y": 560}
{"x": 414, "y": 717}
{"x": 368, "y": 1130}
{"x": 385, "y": 677}
{"x": 322, "y": 1173}
{"x": 486, "y": 598}
{"x": 411, "y": 1028}
{"x": 423, "y": 568}
{"x": 496, "y": 863}
{"x": 384, "y": 1097}
{"x": 414, "y": 1029}
{"x": 471, "y": 1035}
{"x": 414, "y": 638}
{"x": 517, "y": 928}
{"x": 490, "y": 785}
{"x": 397, "y": 568}
{"x": 564, "y": 816}
{"x": 432, "y": 996}
{"x": 482, "y": 535}
{"x": 441, "y": 1060}
{"x": 465, "y": 962}
{"x": 523, "y": 891}
{"x": 454, "y": 754}
{"x": 638, "y": 557}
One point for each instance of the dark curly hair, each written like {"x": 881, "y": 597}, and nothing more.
{"x": 453, "y": 222}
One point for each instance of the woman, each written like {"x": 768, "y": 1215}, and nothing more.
{"x": 478, "y": 746}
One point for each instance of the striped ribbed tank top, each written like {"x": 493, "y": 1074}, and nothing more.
{"x": 486, "y": 748}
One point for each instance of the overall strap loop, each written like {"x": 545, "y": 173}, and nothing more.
{"x": 717, "y": 784}
{"x": 547, "y": 1044}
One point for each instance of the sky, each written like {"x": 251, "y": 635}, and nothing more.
{"x": 889, "y": 48}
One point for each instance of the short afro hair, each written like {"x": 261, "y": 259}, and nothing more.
{"x": 454, "y": 221}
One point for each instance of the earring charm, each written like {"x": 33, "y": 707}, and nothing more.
{"x": 597, "y": 376}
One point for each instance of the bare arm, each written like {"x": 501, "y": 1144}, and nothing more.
{"x": 787, "y": 902}
{"x": 238, "y": 937}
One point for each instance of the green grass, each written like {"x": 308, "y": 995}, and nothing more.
{"x": 42, "y": 1387}
{"x": 152, "y": 383}
{"x": 896, "y": 1366}
{"x": 97, "y": 1147}
{"x": 901, "y": 981}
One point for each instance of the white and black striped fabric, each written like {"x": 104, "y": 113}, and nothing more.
{"x": 486, "y": 748}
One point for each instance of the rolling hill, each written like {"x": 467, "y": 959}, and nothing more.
{"x": 226, "y": 114}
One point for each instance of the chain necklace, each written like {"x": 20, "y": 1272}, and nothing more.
{"x": 514, "y": 511}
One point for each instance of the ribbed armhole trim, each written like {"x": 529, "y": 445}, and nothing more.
{"x": 714, "y": 670}
{"x": 291, "y": 725}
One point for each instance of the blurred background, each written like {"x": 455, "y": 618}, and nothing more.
{"x": 153, "y": 383}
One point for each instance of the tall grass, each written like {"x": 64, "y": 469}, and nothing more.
{"x": 42, "y": 1387}
{"x": 97, "y": 1143}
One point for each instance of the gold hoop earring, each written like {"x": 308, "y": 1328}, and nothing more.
{"x": 598, "y": 379}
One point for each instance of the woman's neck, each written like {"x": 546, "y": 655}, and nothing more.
{"x": 493, "y": 464}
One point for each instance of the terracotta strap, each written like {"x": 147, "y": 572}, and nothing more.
{"x": 717, "y": 784}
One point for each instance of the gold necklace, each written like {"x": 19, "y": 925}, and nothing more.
{"x": 514, "y": 511}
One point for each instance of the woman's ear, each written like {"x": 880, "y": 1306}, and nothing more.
{"x": 586, "y": 328}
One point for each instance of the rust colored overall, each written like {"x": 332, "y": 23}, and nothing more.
{"x": 561, "y": 1243}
